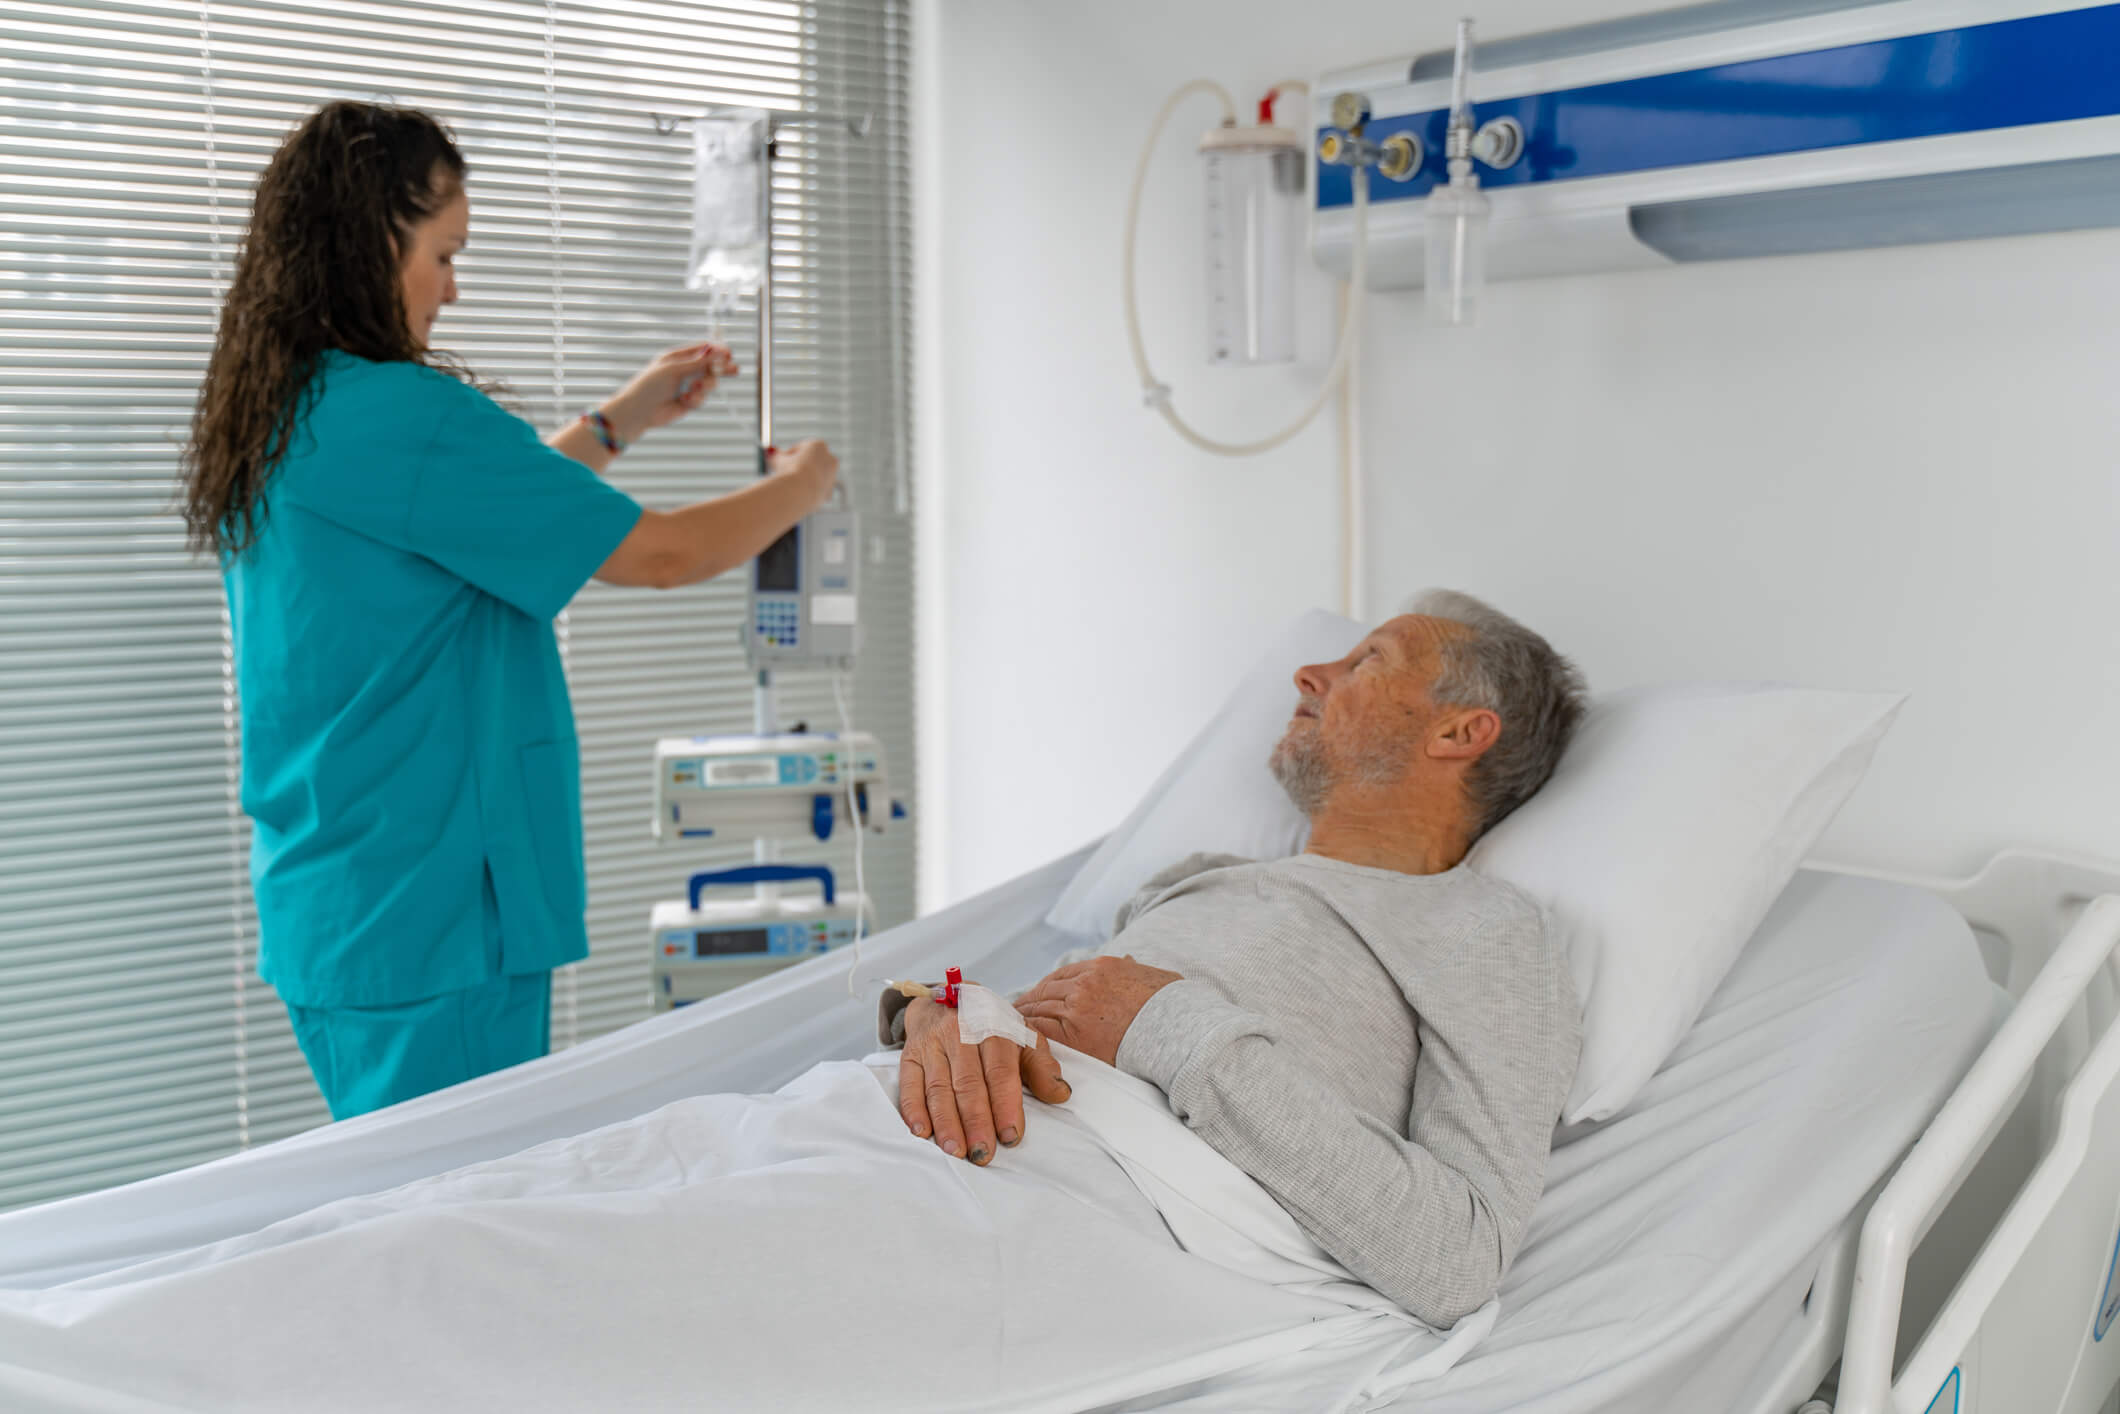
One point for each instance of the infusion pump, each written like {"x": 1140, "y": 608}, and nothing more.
{"x": 703, "y": 948}
{"x": 803, "y": 609}
{"x": 787, "y": 787}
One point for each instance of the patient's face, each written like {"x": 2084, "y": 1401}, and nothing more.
{"x": 1364, "y": 717}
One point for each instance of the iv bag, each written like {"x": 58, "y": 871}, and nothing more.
{"x": 729, "y": 195}
{"x": 1254, "y": 214}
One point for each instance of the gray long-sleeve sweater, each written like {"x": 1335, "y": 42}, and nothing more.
{"x": 1387, "y": 1054}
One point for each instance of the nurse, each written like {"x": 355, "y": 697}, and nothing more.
{"x": 395, "y": 545}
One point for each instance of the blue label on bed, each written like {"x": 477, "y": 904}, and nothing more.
{"x": 1946, "y": 1400}
{"x": 2109, "y": 1299}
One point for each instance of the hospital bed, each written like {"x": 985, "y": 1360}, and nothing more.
{"x": 1746, "y": 1226}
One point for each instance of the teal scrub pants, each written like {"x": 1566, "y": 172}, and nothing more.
{"x": 367, "y": 1057}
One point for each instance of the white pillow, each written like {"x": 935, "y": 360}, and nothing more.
{"x": 1218, "y": 795}
{"x": 1673, "y": 822}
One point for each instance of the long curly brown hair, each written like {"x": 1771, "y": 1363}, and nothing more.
{"x": 318, "y": 271}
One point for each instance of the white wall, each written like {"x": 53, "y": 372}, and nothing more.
{"x": 1894, "y": 469}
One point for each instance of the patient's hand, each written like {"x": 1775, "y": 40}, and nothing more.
{"x": 967, "y": 1097}
{"x": 1090, "y": 1005}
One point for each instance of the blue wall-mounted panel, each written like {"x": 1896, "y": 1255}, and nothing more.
{"x": 2040, "y": 69}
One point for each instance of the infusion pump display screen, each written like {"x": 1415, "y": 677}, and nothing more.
{"x": 780, "y": 566}
{"x": 703, "y": 957}
{"x": 731, "y": 942}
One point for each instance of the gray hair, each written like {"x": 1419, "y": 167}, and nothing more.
{"x": 1507, "y": 669}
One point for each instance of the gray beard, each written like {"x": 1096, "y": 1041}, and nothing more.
{"x": 1305, "y": 769}
{"x": 1299, "y": 764}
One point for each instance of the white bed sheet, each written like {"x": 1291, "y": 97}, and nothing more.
{"x": 1669, "y": 1257}
{"x": 749, "y": 1041}
{"x": 755, "y": 1253}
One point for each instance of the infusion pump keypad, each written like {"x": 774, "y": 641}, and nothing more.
{"x": 780, "y": 621}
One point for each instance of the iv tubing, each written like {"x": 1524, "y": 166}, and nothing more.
{"x": 1353, "y": 488}
{"x": 1460, "y": 104}
{"x": 855, "y": 816}
{"x": 1157, "y": 395}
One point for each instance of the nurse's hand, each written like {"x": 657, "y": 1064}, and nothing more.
{"x": 967, "y": 1097}
{"x": 813, "y": 463}
{"x": 673, "y": 384}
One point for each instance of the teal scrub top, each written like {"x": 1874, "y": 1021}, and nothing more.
{"x": 409, "y": 757}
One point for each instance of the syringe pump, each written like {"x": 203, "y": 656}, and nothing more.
{"x": 787, "y": 787}
{"x": 702, "y": 948}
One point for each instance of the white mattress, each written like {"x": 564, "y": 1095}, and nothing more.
{"x": 1670, "y": 1256}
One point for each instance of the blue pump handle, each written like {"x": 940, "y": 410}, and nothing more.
{"x": 760, "y": 874}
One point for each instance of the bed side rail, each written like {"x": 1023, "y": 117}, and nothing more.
{"x": 2030, "y": 1323}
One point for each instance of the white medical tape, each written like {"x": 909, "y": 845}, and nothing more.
{"x": 983, "y": 1012}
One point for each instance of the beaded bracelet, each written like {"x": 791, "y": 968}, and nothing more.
{"x": 605, "y": 432}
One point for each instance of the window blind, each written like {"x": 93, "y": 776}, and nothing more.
{"x": 135, "y": 1036}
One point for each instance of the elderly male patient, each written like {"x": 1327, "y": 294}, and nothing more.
{"x": 1380, "y": 1037}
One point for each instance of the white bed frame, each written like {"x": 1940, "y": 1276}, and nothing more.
{"x": 2008, "y": 1206}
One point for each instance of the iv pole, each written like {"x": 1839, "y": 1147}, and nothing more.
{"x": 764, "y": 701}
{"x": 765, "y": 712}
{"x": 765, "y": 707}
